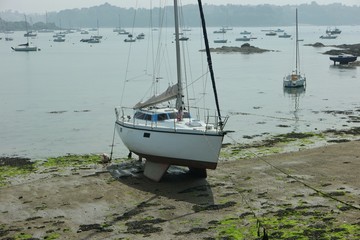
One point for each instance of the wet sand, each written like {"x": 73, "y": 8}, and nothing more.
{"x": 307, "y": 194}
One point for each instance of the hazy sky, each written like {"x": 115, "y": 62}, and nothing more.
{"x": 41, "y": 6}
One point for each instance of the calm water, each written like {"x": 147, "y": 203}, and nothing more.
{"x": 61, "y": 99}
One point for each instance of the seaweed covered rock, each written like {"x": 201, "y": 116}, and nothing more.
{"x": 245, "y": 48}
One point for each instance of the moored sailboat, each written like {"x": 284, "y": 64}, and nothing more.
{"x": 295, "y": 79}
{"x": 25, "y": 47}
{"x": 165, "y": 131}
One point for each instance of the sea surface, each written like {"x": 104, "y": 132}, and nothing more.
{"x": 61, "y": 99}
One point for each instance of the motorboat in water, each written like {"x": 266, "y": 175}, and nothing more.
{"x": 343, "y": 59}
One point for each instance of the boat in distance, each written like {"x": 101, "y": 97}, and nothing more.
{"x": 343, "y": 58}
{"x": 220, "y": 41}
{"x": 243, "y": 39}
{"x": 295, "y": 79}
{"x": 284, "y": 35}
{"x": 328, "y": 36}
{"x": 333, "y": 31}
{"x": 26, "y": 47}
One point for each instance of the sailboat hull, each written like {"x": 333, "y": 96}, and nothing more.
{"x": 175, "y": 147}
{"x": 25, "y": 49}
{"x": 294, "y": 81}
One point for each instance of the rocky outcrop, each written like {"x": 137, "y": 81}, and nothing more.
{"x": 246, "y": 48}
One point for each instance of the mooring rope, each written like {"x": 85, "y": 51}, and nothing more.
{"x": 324, "y": 194}
{"x": 253, "y": 211}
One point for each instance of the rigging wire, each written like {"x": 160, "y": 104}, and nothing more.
{"x": 128, "y": 58}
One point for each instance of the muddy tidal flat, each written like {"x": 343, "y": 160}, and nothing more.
{"x": 277, "y": 189}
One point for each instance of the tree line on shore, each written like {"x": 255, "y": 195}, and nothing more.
{"x": 265, "y": 15}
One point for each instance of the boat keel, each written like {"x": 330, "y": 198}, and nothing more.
{"x": 198, "y": 172}
{"x": 155, "y": 171}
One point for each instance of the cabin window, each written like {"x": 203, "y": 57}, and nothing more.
{"x": 172, "y": 115}
{"x": 139, "y": 115}
{"x": 186, "y": 115}
{"x": 146, "y": 135}
{"x": 162, "y": 117}
{"x": 148, "y": 117}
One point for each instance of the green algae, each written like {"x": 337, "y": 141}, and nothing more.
{"x": 12, "y": 167}
{"x": 22, "y": 236}
{"x": 301, "y": 222}
{"x": 280, "y": 143}
{"x": 72, "y": 160}
{"x": 52, "y": 236}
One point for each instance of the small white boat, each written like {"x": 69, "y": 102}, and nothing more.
{"x": 245, "y": 33}
{"x": 140, "y": 36}
{"x": 220, "y": 41}
{"x": 123, "y": 32}
{"x": 60, "y": 34}
{"x": 243, "y": 39}
{"x": 26, "y": 47}
{"x": 295, "y": 79}
{"x": 59, "y": 39}
{"x": 130, "y": 39}
{"x": 96, "y": 37}
{"x": 328, "y": 36}
{"x": 279, "y": 30}
{"x": 271, "y": 33}
{"x": 93, "y": 40}
{"x": 284, "y": 35}
{"x": 227, "y": 28}
{"x": 333, "y": 31}
{"x": 30, "y": 34}
{"x": 222, "y": 30}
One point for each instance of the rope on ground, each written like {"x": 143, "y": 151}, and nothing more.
{"x": 324, "y": 194}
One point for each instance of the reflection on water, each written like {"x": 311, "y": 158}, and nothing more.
{"x": 294, "y": 95}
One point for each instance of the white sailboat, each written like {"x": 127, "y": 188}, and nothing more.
{"x": 25, "y": 47}
{"x": 165, "y": 132}
{"x": 295, "y": 79}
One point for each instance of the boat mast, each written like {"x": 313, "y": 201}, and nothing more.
{"x": 297, "y": 64}
{"x": 210, "y": 62}
{"x": 179, "y": 102}
{"x": 27, "y": 31}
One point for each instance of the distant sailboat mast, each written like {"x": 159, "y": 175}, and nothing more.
{"x": 297, "y": 64}
{"x": 27, "y": 32}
